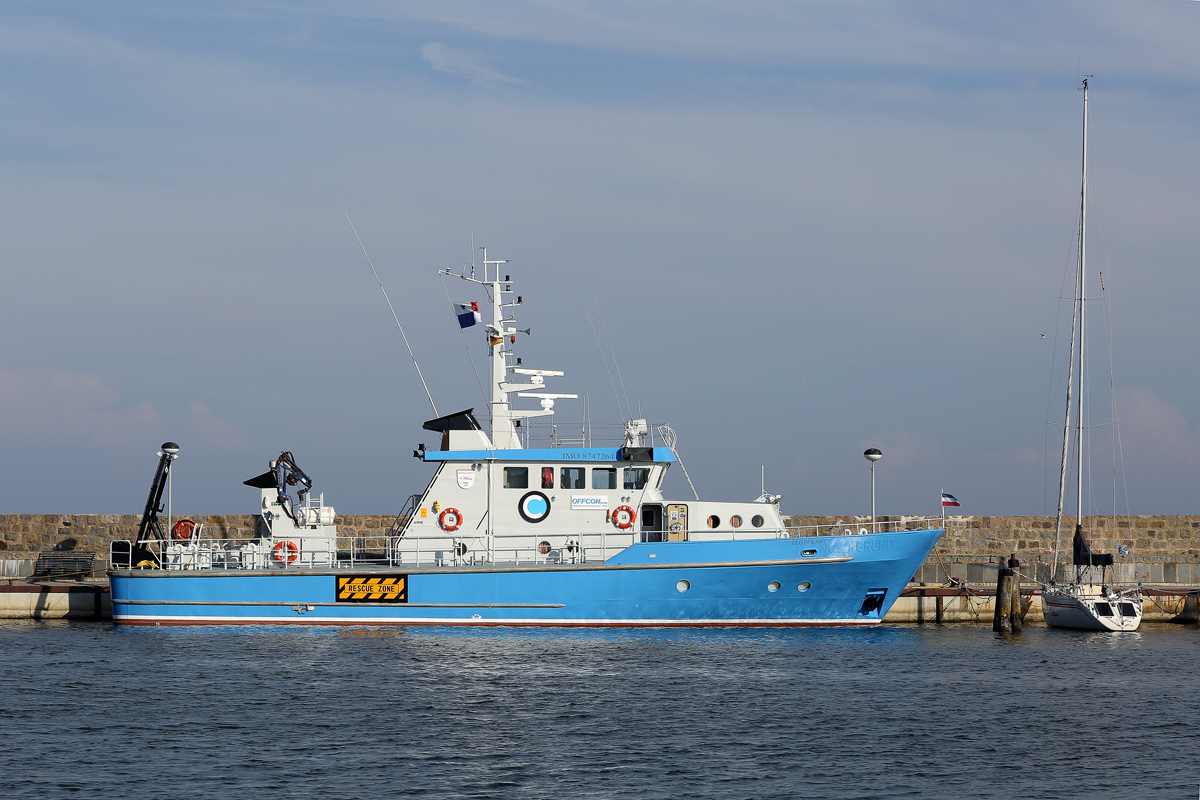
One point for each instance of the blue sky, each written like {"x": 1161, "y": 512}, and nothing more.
{"x": 811, "y": 227}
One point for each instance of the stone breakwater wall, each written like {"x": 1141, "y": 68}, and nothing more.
{"x": 23, "y": 536}
{"x": 1173, "y": 539}
{"x": 1151, "y": 537}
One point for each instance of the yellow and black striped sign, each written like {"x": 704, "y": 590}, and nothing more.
{"x": 363, "y": 589}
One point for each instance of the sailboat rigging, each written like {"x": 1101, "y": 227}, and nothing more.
{"x": 1078, "y": 603}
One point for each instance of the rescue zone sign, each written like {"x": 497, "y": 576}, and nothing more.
{"x": 366, "y": 589}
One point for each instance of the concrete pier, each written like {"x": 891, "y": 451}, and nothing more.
{"x": 55, "y": 600}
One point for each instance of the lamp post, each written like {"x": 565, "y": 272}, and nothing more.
{"x": 172, "y": 450}
{"x": 872, "y": 455}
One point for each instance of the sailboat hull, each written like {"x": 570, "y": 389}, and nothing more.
{"x": 1091, "y": 612}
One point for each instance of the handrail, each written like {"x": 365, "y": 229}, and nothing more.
{"x": 301, "y": 551}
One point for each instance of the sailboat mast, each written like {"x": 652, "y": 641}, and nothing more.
{"x": 1082, "y": 311}
{"x": 1076, "y": 329}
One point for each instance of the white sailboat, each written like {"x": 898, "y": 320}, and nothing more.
{"x": 1081, "y": 603}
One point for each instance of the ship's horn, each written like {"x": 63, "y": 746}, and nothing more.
{"x": 526, "y": 331}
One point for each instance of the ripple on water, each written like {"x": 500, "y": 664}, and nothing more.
{"x": 913, "y": 711}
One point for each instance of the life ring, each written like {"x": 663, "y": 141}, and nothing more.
{"x": 183, "y": 529}
{"x": 455, "y": 521}
{"x": 292, "y": 551}
{"x": 627, "y": 523}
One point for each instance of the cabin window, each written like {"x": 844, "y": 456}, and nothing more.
{"x": 714, "y": 521}
{"x": 636, "y": 477}
{"x": 756, "y": 521}
{"x": 516, "y": 477}
{"x": 1103, "y": 610}
{"x": 574, "y": 478}
{"x": 547, "y": 477}
{"x": 735, "y": 521}
{"x": 1127, "y": 609}
{"x": 604, "y": 479}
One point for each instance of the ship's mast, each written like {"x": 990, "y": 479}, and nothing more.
{"x": 1082, "y": 313}
{"x": 1077, "y": 339}
{"x": 503, "y": 433}
{"x": 501, "y": 334}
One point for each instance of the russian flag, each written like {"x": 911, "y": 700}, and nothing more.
{"x": 949, "y": 500}
{"x": 468, "y": 314}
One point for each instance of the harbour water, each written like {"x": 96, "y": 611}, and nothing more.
{"x": 87, "y": 708}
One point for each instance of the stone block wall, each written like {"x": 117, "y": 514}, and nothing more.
{"x": 1174, "y": 539}
{"x": 1144, "y": 536}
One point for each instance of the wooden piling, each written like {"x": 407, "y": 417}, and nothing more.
{"x": 1002, "y": 617}
{"x": 939, "y": 610}
{"x": 1017, "y": 612}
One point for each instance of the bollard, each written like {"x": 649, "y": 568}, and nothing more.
{"x": 1002, "y": 618}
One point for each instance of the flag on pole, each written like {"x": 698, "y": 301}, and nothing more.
{"x": 949, "y": 500}
{"x": 1122, "y": 549}
{"x": 468, "y": 314}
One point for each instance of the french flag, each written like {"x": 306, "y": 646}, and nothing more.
{"x": 468, "y": 314}
{"x": 949, "y": 500}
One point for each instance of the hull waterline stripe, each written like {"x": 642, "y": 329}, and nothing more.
{"x": 290, "y": 603}
{"x": 401, "y": 570}
{"x": 541, "y": 623}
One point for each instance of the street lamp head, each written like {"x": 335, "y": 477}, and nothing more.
{"x": 170, "y": 448}
{"x": 872, "y": 454}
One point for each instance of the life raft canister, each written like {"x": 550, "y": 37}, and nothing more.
{"x": 450, "y": 519}
{"x": 182, "y": 530}
{"x": 624, "y": 517}
{"x": 286, "y": 551}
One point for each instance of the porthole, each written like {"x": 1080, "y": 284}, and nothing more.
{"x": 809, "y": 553}
{"x": 804, "y": 587}
{"x": 756, "y": 520}
{"x": 714, "y": 521}
{"x": 773, "y": 586}
{"x": 682, "y": 586}
{"x": 735, "y": 521}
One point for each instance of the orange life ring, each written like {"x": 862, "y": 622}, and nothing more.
{"x": 183, "y": 529}
{"x": 454, "y": 524}
{"x": 292, "y": 551}
{"x": 628, "y": 523}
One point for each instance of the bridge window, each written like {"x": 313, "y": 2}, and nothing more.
{"x": 636, "y": 477}
{"x": 516, "y": 477}
{"x": 604, "y": 479}
{"x": 573, "y": 478}
{"x": 547, "y": 477}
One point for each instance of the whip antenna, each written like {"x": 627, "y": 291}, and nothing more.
{"x": 614, "y": 358}
{"x": 398, "y": 325}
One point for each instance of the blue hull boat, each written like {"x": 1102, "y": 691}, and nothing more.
{"x": 850, "y": 580}
{"x": 517, "y": 530}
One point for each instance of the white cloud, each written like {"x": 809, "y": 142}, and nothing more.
{"x": 907, "y": 450}
{"x": 211, "y": 431}
{"x": 53, "y": 404}
{"x": 468, "y": 65}
{"x": 1155, "y": 431}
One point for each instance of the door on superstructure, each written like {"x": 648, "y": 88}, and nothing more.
{"x": 677, "y": 529}
{"x": 652, "y": 522}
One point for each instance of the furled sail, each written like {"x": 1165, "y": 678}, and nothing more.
{"x": 1084, "y": 557}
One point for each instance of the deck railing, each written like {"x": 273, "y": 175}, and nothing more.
{"x": 443, "y": 549}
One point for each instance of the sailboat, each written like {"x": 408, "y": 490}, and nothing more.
{"x": 1080, "y": 603}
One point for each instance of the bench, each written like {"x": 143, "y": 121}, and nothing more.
{"x": 64, "y": 564}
